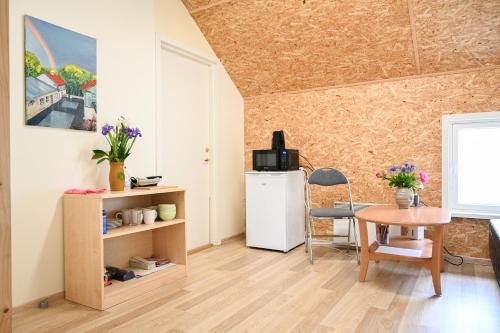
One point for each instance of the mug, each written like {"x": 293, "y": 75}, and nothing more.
{"x": 136, "y": 216}
{"x": 150, "y": 215}
{"x": 125, "y": 215}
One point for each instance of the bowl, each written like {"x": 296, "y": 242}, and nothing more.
{"x": 167, "y": 212}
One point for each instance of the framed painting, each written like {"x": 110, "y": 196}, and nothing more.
{"x": 60, "y": 77}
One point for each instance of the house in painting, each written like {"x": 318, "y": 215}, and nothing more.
{"x": 89, "y": 93}
{"x": 55, "y": 81}
{"x": 39, "y": 96}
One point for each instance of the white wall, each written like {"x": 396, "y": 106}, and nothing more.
{"x": 174, "y": 21}
{"x": 229, "y": 165}
{"x": 45, "y": 161}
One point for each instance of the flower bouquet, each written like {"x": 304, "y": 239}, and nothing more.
{"x": 406, "y": 180}
{"x": 121, "y": 139}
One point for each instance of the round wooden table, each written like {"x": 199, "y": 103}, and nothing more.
{"x": 425, "y": 252}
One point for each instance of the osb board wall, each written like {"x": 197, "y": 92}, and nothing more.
{"x": 471, "y": 232}
{"x": 457, "y": 34}
{"x": 284, "y": 45}
{"x": 269, "y": 46}
{"x": 193, "y": 5}
{"x": 362, "y": 129}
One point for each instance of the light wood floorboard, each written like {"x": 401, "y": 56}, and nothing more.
{"x": 231, "y": 288}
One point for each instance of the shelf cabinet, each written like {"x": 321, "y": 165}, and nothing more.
{"x": 87, "y": 250}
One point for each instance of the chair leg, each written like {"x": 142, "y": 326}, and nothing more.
{"x": 309, "y": 243}
{"x": 355, "y": 239}
{"x": 306, "y": 235}
{"x": 348, "y": 235}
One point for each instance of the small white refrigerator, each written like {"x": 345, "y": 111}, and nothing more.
{"x": 275, "y": 209}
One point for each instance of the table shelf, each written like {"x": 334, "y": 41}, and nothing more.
{"x": 402, "y": 243}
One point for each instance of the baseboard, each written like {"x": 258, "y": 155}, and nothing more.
{"x": 199, "y": 249}
{"x": 34, "y": 303}
{"x": 232, "y": 238}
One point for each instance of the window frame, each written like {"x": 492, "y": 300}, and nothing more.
{"x": 450, "y": 123}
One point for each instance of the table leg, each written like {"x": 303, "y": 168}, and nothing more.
{"x": 437, "y": 253}
{"x": 442, "y": 259}
{"x": 363, "y": 233}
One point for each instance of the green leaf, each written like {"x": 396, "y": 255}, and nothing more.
{"x": 98, "y": 154}
{"x": 102, "y": 160}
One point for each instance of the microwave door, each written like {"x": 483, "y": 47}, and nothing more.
{"x": 265, "y": 160}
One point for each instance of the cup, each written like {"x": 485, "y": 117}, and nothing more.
{"x": 136, "y": 216}
{"x": 125, "y": 215}
{"x": 167, "y": 212}
{"x": 383, "y": 234}
{"x": 150, "y": 215}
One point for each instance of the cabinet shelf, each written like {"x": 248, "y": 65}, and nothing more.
{"x": 119, "y": 291}
{"x": 127, "y": 230}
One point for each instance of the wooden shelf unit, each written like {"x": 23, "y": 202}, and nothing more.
{"x": 87, "y": 250}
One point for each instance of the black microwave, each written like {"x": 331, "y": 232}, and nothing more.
{"x": 275, "y": 159}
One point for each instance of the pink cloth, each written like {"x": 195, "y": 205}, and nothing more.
{"x": 84, "y": 191}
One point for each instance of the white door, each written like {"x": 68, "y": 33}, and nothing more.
{"x": 183, "y": 122}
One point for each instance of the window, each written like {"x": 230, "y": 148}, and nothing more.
{"x": 41, "y": 101}
{"x": 471, "y": 164}
{"x": 47, "y": 99}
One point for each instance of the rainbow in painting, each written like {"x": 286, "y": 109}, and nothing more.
{"x": 60, "y": 74}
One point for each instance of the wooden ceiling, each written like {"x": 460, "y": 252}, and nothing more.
{"x": 285, "y": 45}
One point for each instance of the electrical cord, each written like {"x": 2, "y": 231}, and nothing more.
{"x": 306, "y": 167}
{"x": 310, "y": 166}
{"x": 460, "y": 258}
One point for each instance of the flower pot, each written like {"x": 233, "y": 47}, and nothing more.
{"x": 404, "y": 197}
{"x": 116, "y": 176}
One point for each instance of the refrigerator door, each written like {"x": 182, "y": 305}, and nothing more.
{"x": 266, "y": 210}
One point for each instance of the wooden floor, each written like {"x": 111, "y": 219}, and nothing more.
{"x": 233, "y": 288}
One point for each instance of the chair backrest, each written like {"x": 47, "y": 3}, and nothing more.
{"x": 327, "y": 177}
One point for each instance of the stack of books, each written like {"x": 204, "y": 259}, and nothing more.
{"x": 145, "y": 266}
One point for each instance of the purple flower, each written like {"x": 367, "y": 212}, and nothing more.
{"x": 106, "y": 129}
{"x": 394, "y": 168}
{"x": 413, "y": 167}
{"x": 134, "y": 132}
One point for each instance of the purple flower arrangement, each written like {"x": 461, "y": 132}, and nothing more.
{"x": 121, "y": 139}
{"x": 404, "y": 175}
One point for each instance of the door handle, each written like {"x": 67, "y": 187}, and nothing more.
{"x": 206, "y": 160}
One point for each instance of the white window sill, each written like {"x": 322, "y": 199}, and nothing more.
{"x": 475, "y": 214}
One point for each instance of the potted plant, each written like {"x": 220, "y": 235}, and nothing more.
{"x": 406, "y": 181}
{"x": 121, "y": 139}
